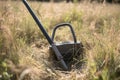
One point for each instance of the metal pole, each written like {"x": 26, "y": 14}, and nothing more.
{"x": 57, "y": 53}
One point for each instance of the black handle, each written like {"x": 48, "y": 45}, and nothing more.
{"x": 38, "y": 22}
{"x": 58, "y": 54}
{"x": 62, "y": 25}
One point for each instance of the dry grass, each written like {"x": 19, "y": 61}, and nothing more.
{"x": 97, "y": 26}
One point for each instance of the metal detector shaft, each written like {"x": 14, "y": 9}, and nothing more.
{"x": 57, "y": 53}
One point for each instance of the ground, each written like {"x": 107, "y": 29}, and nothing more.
{"x": 97, "y": 26}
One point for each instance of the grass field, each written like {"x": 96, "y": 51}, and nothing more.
{"x": 24, "y": 50}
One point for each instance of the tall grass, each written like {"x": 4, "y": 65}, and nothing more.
{"x": 97, "y": 26}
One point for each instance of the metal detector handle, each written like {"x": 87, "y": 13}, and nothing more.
{"x": 62, "y": 25}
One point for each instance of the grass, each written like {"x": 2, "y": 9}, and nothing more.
{"x": 97, "y": 26}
